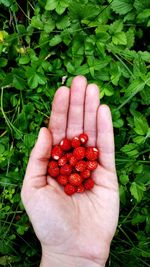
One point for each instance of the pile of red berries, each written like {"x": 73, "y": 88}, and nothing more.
{"x": 71, "y": 164}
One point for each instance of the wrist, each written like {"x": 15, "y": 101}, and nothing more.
{"x": 55, "y": 260}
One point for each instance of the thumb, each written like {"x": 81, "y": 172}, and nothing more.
{"x": 39, "y": 157}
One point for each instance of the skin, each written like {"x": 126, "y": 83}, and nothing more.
{"x": 76, "y": 230}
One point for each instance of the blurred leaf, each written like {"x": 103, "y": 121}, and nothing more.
{"x": 137, "y": 191}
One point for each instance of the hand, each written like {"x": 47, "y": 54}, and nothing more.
{"x": 79, "y": 228}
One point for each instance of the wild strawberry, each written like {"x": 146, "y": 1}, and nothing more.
{"x": 65, "y": 144}
{"x": 80, "y": 188}
{"x": 75, "y": 142}
{"x": 62, "y": 161}
{"x": 80, "y": 166}
{"x": 53, "y": 169}
{"x": 75, "y": 179}
{"x": 88, "y": 184}
{"x": 69, "y": 189}
{"x": 83, "y": 138}
{"x": 91, "y": 153}
{"x": 56, "y": 152}
{"x": 68, "y": 155}
{"x": 79, "y": 152}
{"x": 85, "y": 174}
{"x": 91, "y": 165}
{"x": 66, "y": 169}
{"x": 62, "y": 179}
{"x": 72, "y": 160}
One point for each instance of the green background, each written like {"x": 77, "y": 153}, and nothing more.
{"x": 108, "y": 42}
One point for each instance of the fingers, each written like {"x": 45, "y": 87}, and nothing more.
{"x": 105, "y": 138}
{"x": 76, "y": 109}
{"x": 91, "y": 107}
{"x": 58, "y": 119}
{"x": 38, "y": 161}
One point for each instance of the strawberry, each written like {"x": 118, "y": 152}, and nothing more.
{"x": 66, "y": 169}
{"x": 62, "y": 161}
{"x": 80, "y": 166}
{"x": 72, "y": 160}
{"x": 62, "y": 179}
{"x": 68, "y": 155}
{"x": 79, "y": 152}
{"x": 75, "y": 179}
{"x": 65, "y": 144}
{"x": 53, "y": 169}
{"x": 83, "y": 138}
{"x": 85, "y": 174}
{"x": 91, "y": 153}
{"x": 80, "y": 188}
{"x": 56, "y": 152}
{"x": 88, "y": 184}
{"x": 75, "y": 142}
{"x": 91, "y": 165}
{"x": 69, "y": 189}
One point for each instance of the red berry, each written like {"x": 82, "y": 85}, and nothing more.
{"x": 69, "y": 189}
{"x": 85, "y": 174}
{"x": 62, "y": 161}
{"x": 83, "y": 138}
{"x": 62, "y": 179}
{"x": 80, "y": 166}
{"x": 91, "y": 153}
{"x": 92, "y": 165}
{"x": 57, "y": 152}
{"x": 65, "y": 144}
{"x": 89, "y": 184}
{"x": 80, "y": 188}
{"x": 68, "y": 155}
{"x": 75, "y": 179}
{"x": 72, "y": 160}
{"x": 79, "y": 152}
{"x": 66, "y": 169}
{"x": 53, "y": 169}
{"x": 75, "y": 142}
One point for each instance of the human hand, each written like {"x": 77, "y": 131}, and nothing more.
{"x": 74, "y": 230}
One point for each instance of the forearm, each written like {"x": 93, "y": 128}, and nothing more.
{"x": 55, "y": 260}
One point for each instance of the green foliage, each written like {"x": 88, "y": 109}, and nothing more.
{"x": 107, "y": 41}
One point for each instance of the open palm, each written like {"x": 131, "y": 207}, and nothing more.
{"x": 82, "y": 225}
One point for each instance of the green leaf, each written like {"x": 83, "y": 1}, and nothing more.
{"x": 2, "y": 148}
{"x": 18, "y": 82}
{"x": 137, "y": 191}
{"x": 33, "y": 81}
{"x": 3, "y": 62}
{"x": 130, "y": 37}
{"x": 36, "y": 22}
{"x": 144, "y": 14}
{"x": 116, "y": 26}
{"x": 141, "y": 125}
{"x": 55, "y": 40}
{"x": 80, "y": 11}
{"x": 122, "y": 193}
{"x": 124, "y": 179}
{"x": 6, "y": 3}
{"x": 61, "y": 6}
{"x": 51, "y": 4}
{"x": 130, "y": 150}
{"x": 63, "y": 22}
{"x": 24, "y": 60}
{"x": 121, "y": 6}
{"x": 139, "y": 139}
{"x": 135, "y": 87}
{"x": 119, "y": 38}
{"x": 49, "y": 25}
